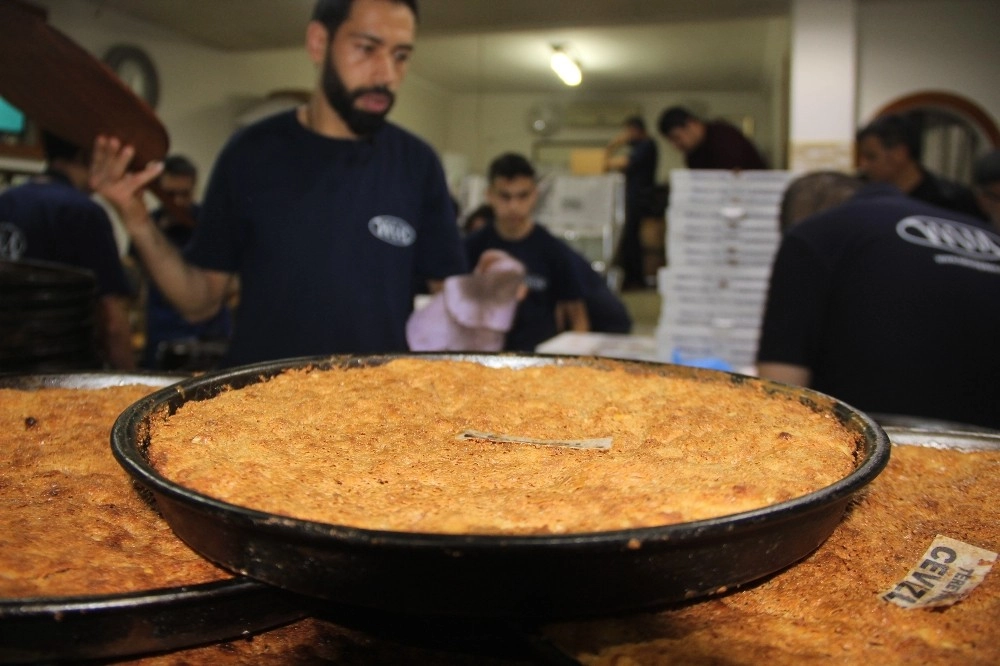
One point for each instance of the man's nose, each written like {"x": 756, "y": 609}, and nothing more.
{"x": 385, "y": 71}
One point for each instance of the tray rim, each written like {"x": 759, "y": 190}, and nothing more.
{"x": 534, "y": 576}
{"x": 872, "y": 462}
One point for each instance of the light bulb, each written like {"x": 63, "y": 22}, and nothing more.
{"x": 566, "y": 68}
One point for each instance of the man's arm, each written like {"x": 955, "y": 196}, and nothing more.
{"x": 794, "y": 314}
{"x": 572, "y": 316}
{"x": 195, "y": 292}
{"x": 613, "y": 161}
{"x": 787, "y": 373}
{"x": 115, "y": 333}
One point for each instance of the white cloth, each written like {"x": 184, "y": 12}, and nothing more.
{"x": 472, "y": 312}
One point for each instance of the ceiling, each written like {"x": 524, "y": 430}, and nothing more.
{"x": 503, "y": 45}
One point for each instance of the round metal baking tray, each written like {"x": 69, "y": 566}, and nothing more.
{"x": 526, "y": 577}
{"x": 47, "y": 629}
{"x": 903, "y": 431}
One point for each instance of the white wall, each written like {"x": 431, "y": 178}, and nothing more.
{"x": 907, "y": 46}
{"x": 823, "y": 71}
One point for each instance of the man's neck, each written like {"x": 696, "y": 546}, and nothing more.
{"x": 78, "y": 175}
{"x": 909, "y": 178}
{"x": 515, "y": 231}
{"x": 318, "y": 116}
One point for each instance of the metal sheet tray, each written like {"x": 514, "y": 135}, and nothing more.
{"x": 536, "y": 577}
{"x": 107, "y": 626}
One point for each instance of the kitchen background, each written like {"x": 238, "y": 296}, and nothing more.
{"x": 800, "y": 75}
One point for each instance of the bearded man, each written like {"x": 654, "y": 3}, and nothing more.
{"x": 330, "y": 217}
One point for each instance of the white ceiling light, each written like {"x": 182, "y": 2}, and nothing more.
{"x": 567, "y": 68}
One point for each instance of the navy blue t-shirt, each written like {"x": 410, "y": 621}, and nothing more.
{"x": 48, "y": 219}
{"x": 892, "y": 303}
{"x": 640, "y": 174}
{"x": 552, "y": 277}
{"x": 330, "y": 237}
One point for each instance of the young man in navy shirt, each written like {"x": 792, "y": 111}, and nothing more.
{"x": 555, "y": 300}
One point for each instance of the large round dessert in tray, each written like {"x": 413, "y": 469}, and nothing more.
{"x": 88, "y": 570}
{"x": 943, "y": 480}
{"x": 303, "y": 473}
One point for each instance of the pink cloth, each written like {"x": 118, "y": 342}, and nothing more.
{"x": 472, "y": 312}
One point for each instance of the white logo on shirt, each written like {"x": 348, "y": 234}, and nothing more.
{"x": 12, "y": 242}
{"x": 536, "y": 282}
{"x": 393, "y": 230}
{"x": 949, "y": 236}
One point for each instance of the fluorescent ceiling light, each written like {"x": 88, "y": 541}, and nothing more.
{"x": 565, "y": 67}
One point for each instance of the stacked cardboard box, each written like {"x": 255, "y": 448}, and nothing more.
{"x": 722, "y": 234}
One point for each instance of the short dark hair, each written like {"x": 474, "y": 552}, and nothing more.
{"x": 894, "y": 130}
{"x": 58, "y": 148}
{"x": 179, "y": 165}
{"x": 510, "y": 165}
{"x": 636, "y": 122}
{"x": 674, "y": 117}
{"x": 986, "y": 170}
{"x": 331, "y": 13}
{"x": 813, "y": 193}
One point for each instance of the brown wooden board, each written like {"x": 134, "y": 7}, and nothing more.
{"x": 66, "y": 90}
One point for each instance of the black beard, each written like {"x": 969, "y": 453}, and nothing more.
{"x": 361, "y": 123}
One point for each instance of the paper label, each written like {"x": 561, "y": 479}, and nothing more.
{"x": 946, "y": 574}
{"x": 602, "y": 444}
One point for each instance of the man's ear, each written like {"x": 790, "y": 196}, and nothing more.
{"x": 317, "y": 41}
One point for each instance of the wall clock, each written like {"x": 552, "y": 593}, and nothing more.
{"x": 136, "y": 70}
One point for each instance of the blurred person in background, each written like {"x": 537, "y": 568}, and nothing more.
{"x": 887, "y": 303}
{"x": 554, "y": 302}
{"x": 806, "y": 196}
{"x": 52, "y": 218}
{"x": 711, "y": 144}
{"x": 606, "y": 312}
{"x": 480, "y": 217}
{"x": 986, "y": 186}
{"x": 165, "y": 327}
{"x": 889, "y": 151}
{"x": 633, "y": 153}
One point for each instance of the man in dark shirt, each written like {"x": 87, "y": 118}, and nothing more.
{"x": 708, "y": 145}
{"x": 330, "y": 216}
{"x": 639, "y": 166}
{"x": 889, "y": 304}
{"x": 555, "y": 299}
{"x": 52, "y": 218}
{"x": 889, "y": 151}
{"x": 986, "y": 186}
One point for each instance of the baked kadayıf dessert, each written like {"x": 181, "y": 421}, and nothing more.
{"x": 381, "y": 447}
{"x": 440, "y": 484}
{"x": 829, "y": 608}
{"x": 88, "y": 569}
{"x": 72, "y": 521}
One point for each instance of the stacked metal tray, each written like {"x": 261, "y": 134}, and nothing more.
{"x": 47, "y": 629}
